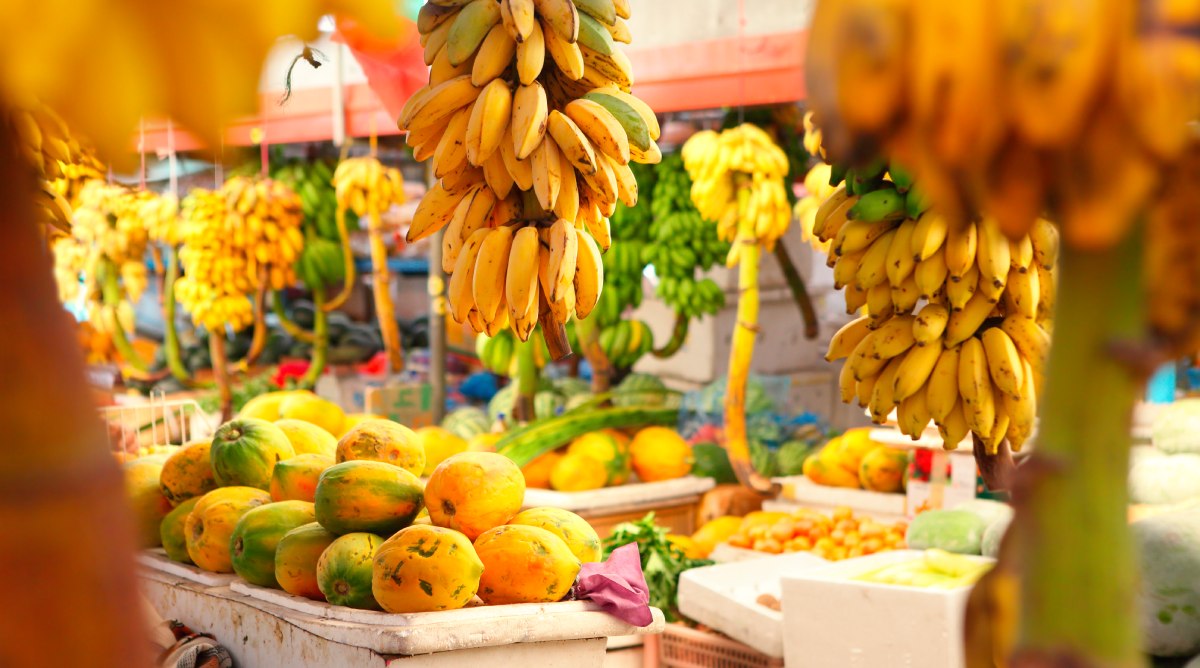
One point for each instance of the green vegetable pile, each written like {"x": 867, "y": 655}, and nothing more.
{"x": 662, "y": 562}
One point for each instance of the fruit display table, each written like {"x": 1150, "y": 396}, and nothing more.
{"x": 674, "y": 503}
{"x": 267, "y": 628}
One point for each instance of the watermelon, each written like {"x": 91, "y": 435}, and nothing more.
{"x": 712, "y": 461}
{"x": 957, "y": 531}
{"x": 640, "y": 389}
{"x": 791, "y": 457}
{"x": 467, "y": 422}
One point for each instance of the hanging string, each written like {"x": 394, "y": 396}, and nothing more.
{"x": 741, "y": 45}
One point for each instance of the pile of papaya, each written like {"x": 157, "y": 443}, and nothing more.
{"x": 854, "y": 460}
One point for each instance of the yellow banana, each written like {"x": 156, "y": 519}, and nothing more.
{"x": 1030, "y": 339}
{"x": 547, "y": 173}
{"x": 861, "y": 362}
{"x": 524, "y": 18}
{"x": 872, "y": 269}
{"x": 496, "y": 173}
{"x": 857, "y": 235}
{"x": 627, "y": 186}
{"x": 912, "y": 415}
{"x": 491, "y": 269}
{"x": 900, "y": 263}
{"x": 866, "y": 387}
{"x": 965, "y": 323}
{"x": 435, "y": 41}
{"x": 567, "y": 204}
{"x": 930, "y": 274}
{"x": 1021, "y": 409}
{"x": 1004, "y": 362}
{"x": 960, "y": 250}
{"x": 959, "y": 292}
{"x": 468, "y": 31}
{"x": 847, "y": 386}
{"x": 561, "y": 17}
{"x": 603, "y": 183}
{"x": 821, "y": 221}
{"x": 893, "y": 338}
{"x": 470, "y": 215}
{"x": 941, "y": 390}
{"x": 521, "y": 282}
{"x": 565, "y": 54}
{"x": 879, "y": 302}
{"x": 915, "y": 371}
{"x": 1045, "y": 304}
{"x": 619, "y": 31}
{"x": 594, "y": 223}
{"x": 572, "y": 142}
{"x": 930, "y": 323}
{"x": 928, "y": 236}
{"x": 601, "y": 127}
{"x": 564, "y": 251}
{"x": 564, "y": 309}
{"x": 845, "y": 269}
{"x": 531, "y": 56}
{"x": 589, "y": 274}
{"x": 520, "y": 170}
{"x": 462, "y": 279}
{"x": 975, "y": 387}
{"x": 433, "y": 213}
{"x": 992, "y": 441}
{"x": 906, "y": 295}
{"x": 441, "y": 101}
{"x": 1020, "y": 253}
{"x": 855, "y": 298}
{"x": 489, "y": 118}
{"x": 1022, "y": 292}
{"x": 529, "y": 113}
{"x": 1044, "y": 238}
{"x": 992, "y": 255}
{"x": 847, "y": 338}
{"x": 883, "y": 398}
{"x": 954, "y": 429}
{"x": 494, "y": 57}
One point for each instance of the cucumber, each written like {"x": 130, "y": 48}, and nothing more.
{"x": 528, "y": 443}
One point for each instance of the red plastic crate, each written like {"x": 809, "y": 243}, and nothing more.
{"x": 683, "y": 647}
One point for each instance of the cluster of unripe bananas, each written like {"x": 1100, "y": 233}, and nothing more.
{"x": 738, "y": 177}
{"x": 955, "y": 316}
{"x": 531, "y": 127}
{"x": 236, "y": 239}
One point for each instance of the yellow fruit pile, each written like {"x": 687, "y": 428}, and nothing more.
{"x": 836, "y": 537}
{"x": 47, "y": 145}
{"x": 853, "y": 460}
{"x": 738, "y": 175}
{"x": 235, "y": 239}
{"x": 531, "y": 127}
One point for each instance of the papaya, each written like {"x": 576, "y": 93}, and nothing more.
{"x": 425, "y": 568}
{"x": 438, "y": 444}
{"x": 172, "y": 531}
{"x": 660, "y": 453}
{"x": 580, "y": 537}
{"x": 145, "y": 497}
{"x": 308, "y": 438}
{"x": 882, "y": 469}
{"x": 296, "y": 558}
{"x": 211, "y": 522}
{"x": 352, "y": 420}
{"x": 578, "y": 472}
{"x": 822, "y": 471}
{"x": 686, "y": 545}
{"x": 524, "y": 564}
{"x": 605, "y": 447}
{"x": 256, "y": 535}
{"x": 383, "y": 441}
{"x": 472, "y": 492}
{"x": 345, "y": 569}
{"x": 853, "y": 446}
{"x": 484, "y": 442}
{"x": 713, "y": 533}
{"x": 311, "y": 408}
{"x": 188, "y": 473}
{"x": 245, "y": 450}
{"x": 368, "y": 496}
{"x": 296, "y": 478}
{"x": 266, "y": 406}
{"x": 537, "y": 472}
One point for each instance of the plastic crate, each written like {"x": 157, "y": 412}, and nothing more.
{"x": 682, "y": 647}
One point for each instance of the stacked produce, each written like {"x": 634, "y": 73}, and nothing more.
{"x": 286, "y": 505}
{"x": 236, "y": 239}
{"x": 531, "y": 127}
{"x": 738, "y": 180}
{"x": 955, "y": 316}
{"x": 935, "y": 569}
{"x": 971, "y": 527}
{"x": 608, "y": 457}
{"x": 45, "y": 142}
{"x": 853, "y": 460}
{"x": 366, "y": 187}
{"x": 841, "y": 535}
{"x": 327, "y": 259}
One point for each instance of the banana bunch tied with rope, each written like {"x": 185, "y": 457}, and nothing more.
{"x": 955, "y": 318}
{"x": 45, "y": 142}
{"x": 530, "y": 124}
{"x": 737, "y": 175}
{"x": 236, "y": 240}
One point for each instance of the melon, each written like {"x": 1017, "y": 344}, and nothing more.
{"x": 957, "y": 531}
{"x": 1169, "y": 598}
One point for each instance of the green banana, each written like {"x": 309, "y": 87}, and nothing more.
{"x": 878, "y": 205}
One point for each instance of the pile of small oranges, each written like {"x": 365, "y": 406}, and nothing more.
{"x": 839, "y": 536}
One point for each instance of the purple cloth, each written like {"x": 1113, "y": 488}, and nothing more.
{"x": 618, "y": 586}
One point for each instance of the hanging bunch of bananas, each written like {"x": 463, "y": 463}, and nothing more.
{"x": 366, "y": 186}
{"x": 1087, "y": 114}
{"x": 245, "y": 235}
{"x": 955, "y": 319}
{"x": 739, "y": 175}
{"x": 531, "y": 127}
{"x": 159, "y": 214}
{"x": 625, "y": 260}
{"x": 817, "y": 190}
{"x": 313, "y": 181}
{"x": 498, "y": 353}
{"x": 625, "y": 342}
{"x": 47, "y": 145}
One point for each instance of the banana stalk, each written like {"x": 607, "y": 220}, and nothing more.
{"x": 288, "y": 325}
{"x": 111, "y": 290}
{"x": 259, "y": 340}
{"x": 170, "y": 329}
{"x": 347, "y": 262}
{"x": 743, "y": 352}
{"x": 527, "y": 382}
{"x": 385, "y": 311}
{"x": 588, "y": 332}
{"x": 1073, "y": 545}
{"x": 220, "y": 366}
{"x": 63, "y": 491}
{"x": 678, "y": 337}
{"x": 799, "y": 291}
{"x": 321, "y": 343}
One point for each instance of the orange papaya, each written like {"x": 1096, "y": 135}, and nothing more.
{"x": 425, "y": 568}
{"x": 345, "y": 570}
{"x": 296, "y": 478}
{"x": 211, "y": 522}
{"x": 580, "y": 537}
{"x": 383, "y": 441}
{"x": 145, "y": 498}
{"x": 188, "y": 473}
{"x": 472, "y": 492}
{"x": 524, "y": 564}
{"x": 296, "y": 559}
{"x": 368, "y": 496}
{"x": 256, "y": 535}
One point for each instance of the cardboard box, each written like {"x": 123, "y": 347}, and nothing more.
{"x": 410, "y": 404}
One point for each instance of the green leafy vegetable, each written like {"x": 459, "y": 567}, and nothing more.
{"x": 662, "y": 561}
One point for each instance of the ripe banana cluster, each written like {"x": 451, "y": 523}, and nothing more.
{"x": 1013, "y": 108}
{"x": 817, "y": 188}
{"x": 45, "y": 142}
{"x": 955, "y": 316}
{"x": 531, "y": 127}
{"x": 625, "y": 342}
{"x": 739, "y": 175}
{"x": 366, "y": 187}
{"x": 243, "y": 236}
